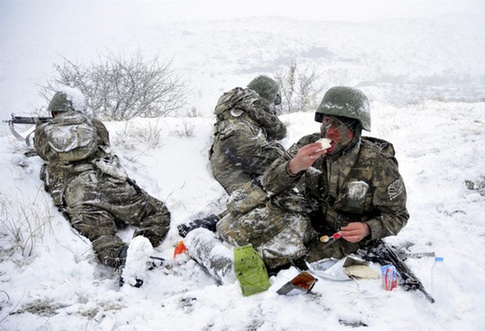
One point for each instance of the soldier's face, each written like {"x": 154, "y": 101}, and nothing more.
{"x": 336, "y": 131}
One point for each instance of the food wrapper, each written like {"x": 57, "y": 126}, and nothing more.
{"x": 389, "y": 277}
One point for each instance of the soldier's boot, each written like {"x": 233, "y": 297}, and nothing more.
{"x": 208, "y": 222}
{"x": 152, "y": 263}
{"x": 209, "y": 252}
{"x": 137, "y": 261}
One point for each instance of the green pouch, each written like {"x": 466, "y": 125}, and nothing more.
{"x": 250, "y": 270}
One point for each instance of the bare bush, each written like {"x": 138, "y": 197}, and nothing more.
{"x": 297, "y": 88}
{"x": 149, "y": 134}
{"x": 187, "y": 130}
{"x": 120, "y": 87}
{"x": 24, "y": 222}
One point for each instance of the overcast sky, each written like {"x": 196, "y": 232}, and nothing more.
{"x": 121, "y": 12}
{"x": 35, "y": 33}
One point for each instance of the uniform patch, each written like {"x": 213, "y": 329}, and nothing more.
{"x": 358, "y": 190}
{"x": 395, "y": 189}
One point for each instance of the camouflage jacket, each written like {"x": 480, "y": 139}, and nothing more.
{"x": 247, "y": 105}
{"x": 364, "y": 185}
{"x": 245, "y": 135}
{"x": 57, "y": 170}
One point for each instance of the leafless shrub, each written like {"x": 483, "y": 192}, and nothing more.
{"x": 187, "y": 130}
{"x": 297, "y": 88}
{"x": 148, "y": 134}
{"x": 120, "y": 87}
{"x": 24, "y": 222}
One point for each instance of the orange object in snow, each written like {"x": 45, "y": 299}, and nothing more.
{"x": 179, "y": 249}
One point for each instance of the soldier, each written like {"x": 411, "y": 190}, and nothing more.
{"x": 246, "y": 133}
{"x": 91, "y": 188}
{"x": 352, "y": 188}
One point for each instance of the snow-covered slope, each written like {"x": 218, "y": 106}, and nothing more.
{"x": 425, "y": 79}
{"x": 49, "y": 278}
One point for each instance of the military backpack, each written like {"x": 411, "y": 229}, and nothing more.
{"x": 72, "y": 136}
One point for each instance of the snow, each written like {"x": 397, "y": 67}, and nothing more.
{"x": 421, "y": 65}
{"x": 139, "y": 251}
{"x": 75, "y": 96}
{"x": 358, "y": 189}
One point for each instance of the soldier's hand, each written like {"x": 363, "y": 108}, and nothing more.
{"x": 305, "y": 158}
{"x": 355, "y": 232}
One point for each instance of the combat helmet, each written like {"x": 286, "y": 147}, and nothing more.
{"x": 345, "y": 102}
{"x": 266, "y": 87}
{"x": 60, "y": 103}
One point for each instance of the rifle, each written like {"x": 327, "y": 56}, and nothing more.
{"x": 383, "y": 254}
{"x": 24, "y": 120}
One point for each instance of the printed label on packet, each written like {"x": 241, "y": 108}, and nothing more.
{"x": 389, "y": 277}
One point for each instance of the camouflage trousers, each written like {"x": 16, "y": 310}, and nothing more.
{"x": 98, "y": 205}
{"x": 279, "y": 236}
{"x": 230, "y": 177}
{"x": 278, "y": 228}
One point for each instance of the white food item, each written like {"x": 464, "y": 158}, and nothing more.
{"x": 325, "y": 144}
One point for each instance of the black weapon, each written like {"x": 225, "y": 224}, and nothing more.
{"x": 27, "y": 120}
{"x": 383, "y": 254}
{"x": 24, "y": 120}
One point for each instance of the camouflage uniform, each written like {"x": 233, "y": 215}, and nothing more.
{"x": 285, "y": 216}
{"x": 245, "y": 135}
{"x": 361, "y": 185}
{"x": 94, "y": 192}
{"x": 268, "y": 224}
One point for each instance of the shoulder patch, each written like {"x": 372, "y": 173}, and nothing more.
{"x": 395, "y": 189}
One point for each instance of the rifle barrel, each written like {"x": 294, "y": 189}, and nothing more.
{"x": 27, "y": 120}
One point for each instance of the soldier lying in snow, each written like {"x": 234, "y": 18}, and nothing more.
{"x": 245, "y": 133}
{"x": 88, "y": 183}
{"x": 352, "y": 188}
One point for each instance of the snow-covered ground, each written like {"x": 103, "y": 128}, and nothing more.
{"x": 425, "y": 76}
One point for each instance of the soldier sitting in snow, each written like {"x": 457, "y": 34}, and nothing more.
{"x": 246, "y": 133}
{"x": 92, "y": 189}
{"x": 245, "y": 139}
{"x": 352, "y": 188}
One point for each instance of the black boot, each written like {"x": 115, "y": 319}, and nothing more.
{"x": 208, "y": 222}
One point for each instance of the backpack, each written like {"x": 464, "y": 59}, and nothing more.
{"x": 72, "y": 136}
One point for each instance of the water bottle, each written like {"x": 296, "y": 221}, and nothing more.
{"x": 439, "y": 283}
